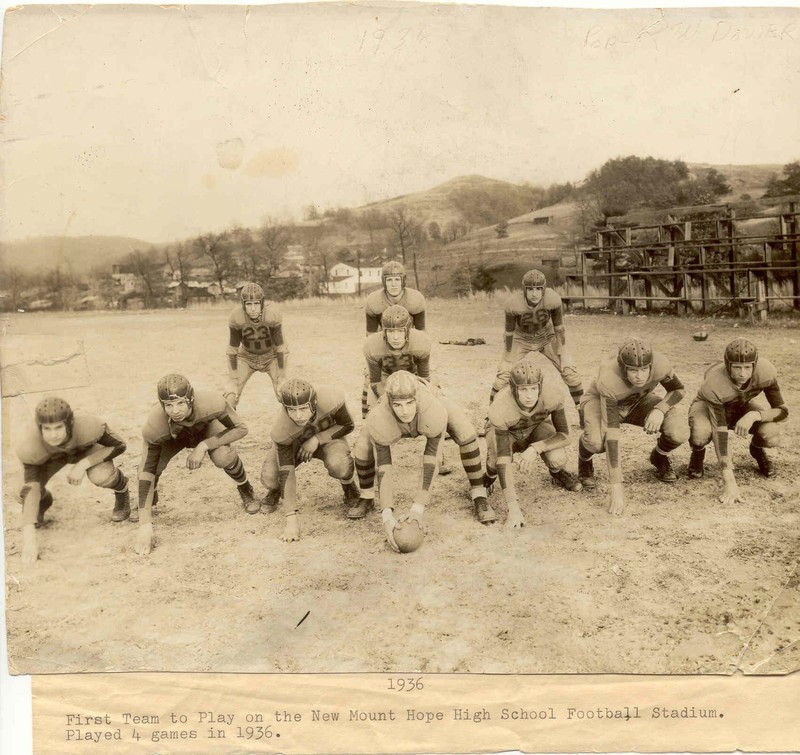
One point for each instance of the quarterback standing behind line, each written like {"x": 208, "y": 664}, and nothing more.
{"x": 255, "y": 343}
{"x": 624, "y": 393}
{"x": 203, "y": 422}
{"x": 393, "y": 292}
{"x": 534, "y": 321}
{"x": 61, "y": 437}
{"x": 312, "y": 425}
{"x": 726, "y": 402}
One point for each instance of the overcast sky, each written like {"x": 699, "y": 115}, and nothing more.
{"x": 160, "y": 123}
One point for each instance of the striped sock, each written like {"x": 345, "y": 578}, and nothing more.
{"x": 120, "y": 484}
{"x": 471, "y": 461}
{"x": 236, "y": 472}
{"x": 366, "y": 474}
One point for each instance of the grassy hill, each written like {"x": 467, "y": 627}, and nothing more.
{"x": 82, "y": 253}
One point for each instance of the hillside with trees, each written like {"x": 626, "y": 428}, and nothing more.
{"x": 467, "y": 233}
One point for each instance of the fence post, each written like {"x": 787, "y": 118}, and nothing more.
{"x": 761, "y": 301}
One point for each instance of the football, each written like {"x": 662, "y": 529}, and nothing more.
{"x": 700, "y": 335}
{"x": 408, "y": 536}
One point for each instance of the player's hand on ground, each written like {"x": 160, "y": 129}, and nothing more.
{"x": 389, "y": 523}
{"x": 616, "y": 499}
{"x": 75, "y": 476}
{"x": 515, "y": 520}
{"x": 308, "y": 448}
{"x": 743, "y": 426}
{"x": 195, "y": 458}
{"x": 291, "y": 530}
{"x": 144, "y": 539}
{"x": 653, "y": 421}
{"x": 230, "y": 398}
{"x": 730, "y": 493}
{"x": 526, "y": 459}
{"x": 30, "y": 546}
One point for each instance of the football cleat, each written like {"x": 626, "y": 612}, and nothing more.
{"x": 567, "y": 480}
{"x": 484, "y": 512}
{"x": 134, "y": 517}
{"x": 122, "y": 506}
{"x": 270, "y": 502}
{"x": 765, "y": 465}
{"x": 45, "y": 502}
{"x": 696, "y": 469}
{"x": 663, "y": 466}
{"x": 351, "y": 494}
{"x": 586, "y": 473}
{"x": 249, "y": 501}
{"x": 360, "y": 509}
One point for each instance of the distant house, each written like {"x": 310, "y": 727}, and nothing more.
{"x": 125, "y": 279}
{"x": 343, "y": 279}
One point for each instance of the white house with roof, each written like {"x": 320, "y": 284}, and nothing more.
{"x": 344, "y": 279}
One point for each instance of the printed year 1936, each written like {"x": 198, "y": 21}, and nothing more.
{"x": 406, "y": 683}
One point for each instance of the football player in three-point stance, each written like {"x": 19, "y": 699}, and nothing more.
{"x": 202, "y": 421}
{"x": 726, "y": 401}
{"x": 527, "y": 417}
{"x": 312, "y": 425}
{"x": 409, "y": 410}
{"x": 58, "y": 438}
{"x": 255, "y": 344}
{"x": 534, "y": 321}
{"x": 394, "y": 291}
{"x": 623, "y": 393}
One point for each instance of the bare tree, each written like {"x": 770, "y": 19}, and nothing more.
{"x": 214, "y": 247}
{"x": 403, "y": 226}
{"x": 273, "y": 239}
{"x": 146, "y": 266}
{"x": 179, "y": 258}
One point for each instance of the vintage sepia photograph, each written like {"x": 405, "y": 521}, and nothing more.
{"x": 396, "y": 337}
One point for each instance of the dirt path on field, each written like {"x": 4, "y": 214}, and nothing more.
{"x": 678, "y": 585}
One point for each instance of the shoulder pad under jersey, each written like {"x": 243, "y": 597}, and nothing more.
{"x": 764, "y": 373}
{"x": 329, "y": 400}
{"x": 31, "y": 448}
{"x": 382, "y": 425}
{"x": 156, "y": 427}
{"x": 86, "y": 429}
{"x": 432, "y": 415}
{"x": 551, "y": 299}
{"x": 414, "y": 301}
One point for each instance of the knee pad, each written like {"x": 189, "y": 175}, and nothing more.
{"x": 592, "y": 443}
{"x": 555, "y": 459}
{"x": 768, "y": 434}
{"x": 223, "y": 456}
{"x": 103, "y": 475}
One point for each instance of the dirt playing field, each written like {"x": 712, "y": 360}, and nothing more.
{"x": 678, "y": 585}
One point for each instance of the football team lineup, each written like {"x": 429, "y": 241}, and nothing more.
{"x": 402, "y": 398}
